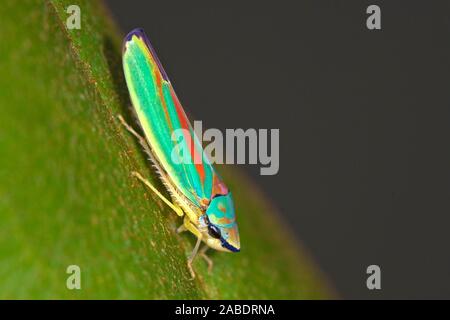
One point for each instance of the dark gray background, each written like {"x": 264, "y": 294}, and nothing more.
{"x": 363, "y": 116}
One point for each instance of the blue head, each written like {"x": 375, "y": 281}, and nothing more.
{"x": 222, "y": 230}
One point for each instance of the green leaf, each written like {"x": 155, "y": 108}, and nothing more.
{"x": 66, "y": 193}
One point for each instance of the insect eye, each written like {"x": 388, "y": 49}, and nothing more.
{"x": 214, "y": 231}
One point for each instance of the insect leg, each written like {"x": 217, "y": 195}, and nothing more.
{"x": 174, "y": 207}
{"x": 189, "y": 226}
{"x": 141, "y": 140}
{"x": 181, "y": 228}
{"x": 144, "y": 144}
{"x": 208, "y": 260}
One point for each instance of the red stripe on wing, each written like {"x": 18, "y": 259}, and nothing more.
{"x": 188, "y": 137}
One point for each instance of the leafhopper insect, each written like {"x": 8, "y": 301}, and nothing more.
{"x": 197, "y": 192}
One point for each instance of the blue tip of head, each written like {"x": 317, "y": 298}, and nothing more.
{"x": 229, "y": 246}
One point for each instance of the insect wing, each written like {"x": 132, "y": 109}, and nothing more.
{"x": 167, "y": 129}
